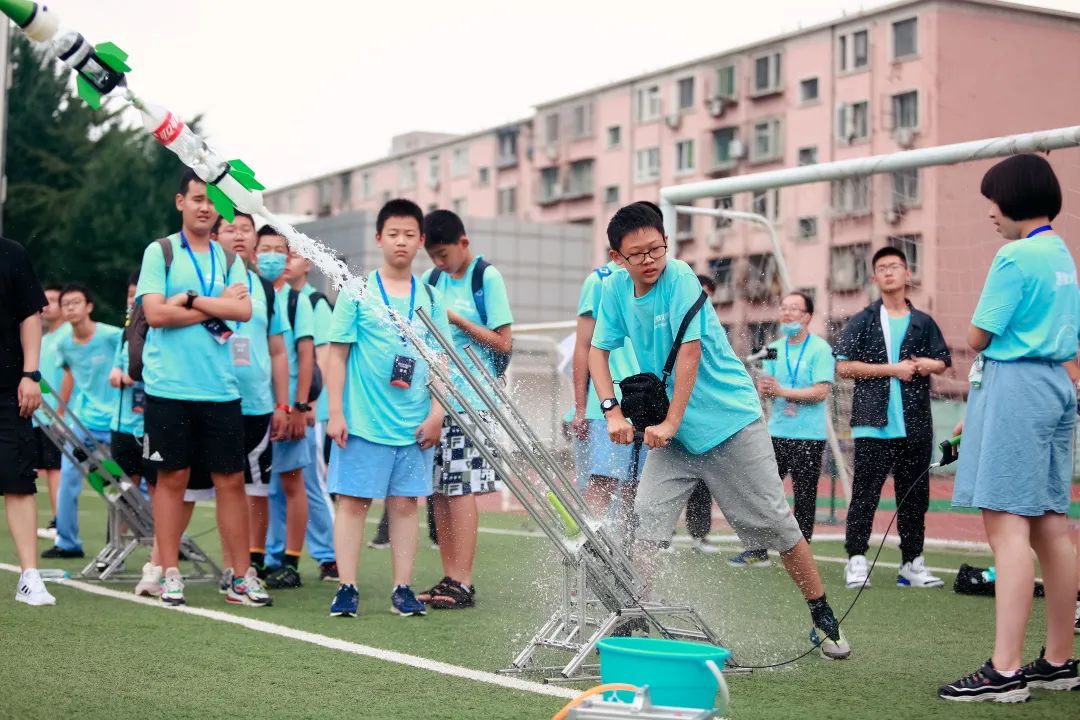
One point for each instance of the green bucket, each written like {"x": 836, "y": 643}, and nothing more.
{"x": 678, "y": 673}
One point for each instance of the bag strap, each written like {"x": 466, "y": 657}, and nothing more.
{"x": 270, "y": 295}
{"x": 166, "y": 252}
{"x": 670, "y": 364}
{"x": 433, "y": 277}
{"x": 431, "y": 295}
{"x": 478, "y": 289}
{"x": 294, "y": 295}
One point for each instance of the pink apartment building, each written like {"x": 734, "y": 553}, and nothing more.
{"x": 910, "y": 74}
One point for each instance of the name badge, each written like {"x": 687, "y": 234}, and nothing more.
{"x": 241, "y": 350}
{"x": 138, "y": 398}
{"x": 218, "y": 330}
{"x": 402, "y": 373}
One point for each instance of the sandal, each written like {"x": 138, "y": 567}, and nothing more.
{"x": 453, "y": 596}
{"x": 437, "y": 589}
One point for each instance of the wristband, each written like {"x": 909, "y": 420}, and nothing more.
{"x": 285, "y": 408}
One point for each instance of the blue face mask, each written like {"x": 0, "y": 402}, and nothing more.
{"x": 271, "y": 265}
{"x": 790, "y": 329}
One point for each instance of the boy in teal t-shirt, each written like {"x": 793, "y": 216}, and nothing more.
{"x": 382, "y": 419}
{"x": 713, "y": 430}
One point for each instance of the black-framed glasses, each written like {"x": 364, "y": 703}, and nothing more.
{"x": 638, "y": 258}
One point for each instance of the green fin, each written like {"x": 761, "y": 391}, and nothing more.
{"x": 112, "y": 56}
{"x": 87, "y": 92}
{"x": 221, "y": 202}
{"x": 114, "y": 469}
{"x": 96, "y": 481}
{"x": 244, "y": 175}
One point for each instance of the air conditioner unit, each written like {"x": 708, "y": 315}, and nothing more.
{"x": 843, "y": 275}
{"x": 894, "y": 214}
{"x": 904, "y": 136}
{"x": 433, "y": 183}
{"x": 736, "y": 149}
{"x": 717, "y": 106}
{"x": 551, "y": 151}
{"x": 673, "y": 120}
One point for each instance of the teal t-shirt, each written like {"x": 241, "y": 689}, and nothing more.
{"x": 51, "y": 370}
{"x": 894, "y": 427}
{"x": 187, "y": 363}
{"x": 256, "y": 382}
{"x": 1030, "y": 301}
{"x": 798, "y": 367}
{"x": 322, "y": 317}
{"x": 90, "y": 363}
{"x": 295, "y": 329}
{"x": 724, "y": 399}
{"x": 124, "y": 417}
{"x": 622, "y": 362}
{"x": 374, "y": 409}
{"x": 458, "y": 296}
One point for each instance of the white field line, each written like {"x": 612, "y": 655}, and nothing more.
{"x": 414, "y": 661}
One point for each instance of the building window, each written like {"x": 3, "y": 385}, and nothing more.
{"x": 808, "y": 90}
{"x": 766, "y": 203}
{"x": 808, "y": 155}
{"x": 684, "y": 156}
{"x": 767, "y": 145}
{"x": 854, "y": 51}
{"x": 611, "y": 195}
{"x": 507, "y": 201}
{"x": 407, "y": 175}
{"x": 386, "y": 197}
{"x": 723, "y": 202}
{"x": 761, "y": 281}
{"x": 724, "y": 150}
{"x": 807, "y": 228}
{"x": 768, "y": 74}
{"x": 684, "y": 227}
{"x": 581, "y": 121}
{"x": 614, "y": 136}
{"x": 905, "y": 110}
{"x": 432, "y": 207}
{"x": 434, "y": 171}
{"x": 581, "y": 179}
{"x": 551, "y": 128}
{"x": 647, "y": 103}
{"x": 723, "y": 272}
{"x": 725, "y": 82}
{"x": 905, "y": 188}
{"x": 905, "y": 38}
{"x": 851, "y": 196}
{"x": 647, "y": 165}
{"x": 367, "y": 186}
{"x": 483, "y": 176}
{"x": 345, "y": 186}
{"x": 849, "y": 267}
{"x": 550, "y": 190}
{"x": 508, "y": 154}
{"x": 911, "y": 246}
{"x": 458, "y": 206}
{"x": 686, "y": 93}
{"x": 459, "y": 162}
{"x": 853, "y": 122}
{"x": 325, "y": 193}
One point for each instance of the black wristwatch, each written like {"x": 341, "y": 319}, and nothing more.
{"x": 608, "y": 405}
{"x": 302, "y": 407}
{"x": 191, "y": 295}
{"x": 34, "y": 375}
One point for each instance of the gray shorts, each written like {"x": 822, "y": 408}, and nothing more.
{"x": 742, "y": 477}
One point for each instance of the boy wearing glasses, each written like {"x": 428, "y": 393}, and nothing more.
{"x": 891, "y": 349}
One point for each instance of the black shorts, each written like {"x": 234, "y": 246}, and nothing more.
{"x": 259, "y": 454}
{"x": 127, "y": 451}
{"x": 18, "y": 451}
{"x": 193, "y": 434}
{"x": 48, "y": 456}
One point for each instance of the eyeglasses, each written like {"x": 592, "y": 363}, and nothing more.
{"x": 638, "y": 258}
{"x": 891, "y": 267}
{"x": 72, "y": 303}
{"x": 792, "y": 309}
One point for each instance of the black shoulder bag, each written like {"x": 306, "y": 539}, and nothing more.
{"x": 644, "y": 396}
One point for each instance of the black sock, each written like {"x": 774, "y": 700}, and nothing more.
{"x": 258, "y": 559}
{"x": 291, "y": 560}
{"x": 823, "y": 617}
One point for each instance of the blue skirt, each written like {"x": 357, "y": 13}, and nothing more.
{"x": 1016, "y": 452}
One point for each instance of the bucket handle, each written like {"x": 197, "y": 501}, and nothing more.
{"x": 725, "y": 698}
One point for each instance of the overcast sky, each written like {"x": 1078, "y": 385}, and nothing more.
{"x": 297, "y": 91}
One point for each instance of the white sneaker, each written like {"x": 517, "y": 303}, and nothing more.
{"x": 172, "y": 588}
{"x": 47, "y": 533}
{"x": 32, "y": 590}
{"x": 150, "y": 585}
{"x": 915, "y": 574}
{"x": 703, "y": 546}
{"x": 857, "y": 572}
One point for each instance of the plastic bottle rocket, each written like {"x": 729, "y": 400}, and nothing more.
{"x": 229, "y": 183}
{"x": 98, "y": 69}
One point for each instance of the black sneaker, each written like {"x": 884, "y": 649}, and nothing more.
{"x": 328, "y": 571}
{"x": 285, "y": 576}
{"x": 1041, "y": 674}
{"x": 58, "y": 553}
{"x": 986, "y": 684}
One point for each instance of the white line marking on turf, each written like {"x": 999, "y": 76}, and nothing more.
{"x": 325, "y": 641}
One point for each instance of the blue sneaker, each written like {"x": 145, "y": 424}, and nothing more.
{"x": 346, "y": 602}
{"x": 750, "y": 559}
{"x": 405, "y": 602}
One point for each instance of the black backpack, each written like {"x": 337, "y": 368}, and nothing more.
{"x": 136, "y": 327}
{"x": 501, "y": 359}
{"x": 316, "y": 373}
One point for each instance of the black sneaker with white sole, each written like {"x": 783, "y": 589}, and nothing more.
{"x": 987, "y": 685}
{"x": 1041, "y": 674}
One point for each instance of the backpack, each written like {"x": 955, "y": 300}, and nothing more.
{"x": 500, "y": 359}
{"x": 136, "y": 327}
{"x": 316, "y": 373}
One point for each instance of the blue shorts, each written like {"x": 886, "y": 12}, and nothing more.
{"x": 1016, "y": 453}
{"x": 605, "y": 458}
{"x": 364, "y": 469}
{"x": 291, "y": 455}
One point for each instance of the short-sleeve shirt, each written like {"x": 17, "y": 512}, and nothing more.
{"x": 51, "y": 371}
{"x": 323, "y": 316}
{"x": 296, "y": 329}
{"x": 124, "y": 418}
{"x": 894, "y": 426}
{"x": 187, "y": 363}
{"x": 20, "y": 297}
{"x": 256, "y": 383}
{"x": 1030, "y": 302}
{"x": 90, "y": 363}
{"x": 374, "y": 409}
{"x": 724, "y": 399}
{"x": 798, "y": 367}
{"x": 458, "y": 295}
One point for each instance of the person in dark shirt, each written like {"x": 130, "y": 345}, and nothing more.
{"x": 21, "y": 302}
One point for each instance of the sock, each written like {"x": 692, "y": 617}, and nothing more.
{"x": 823, "y": 617}
{"x": 30, "y": 574}
{"x": 292, "y": 559}
{"x": 258, "y": 557}
{"x": 1006, "y": 674}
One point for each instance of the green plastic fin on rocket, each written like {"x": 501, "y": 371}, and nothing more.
{"x": 87, "y": 92}
{"x": 244, "y": 175}
{"x": 112, "y": 56}
{"x": 113, "y": 468}
{"x": 96, "y": 481}
{"x": 221, "y": 202}
{"x": 20, "y": 11}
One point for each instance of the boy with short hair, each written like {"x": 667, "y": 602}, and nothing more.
{"x": 713, "y": 429}
{"x": 478, "y": 310}
{"x": 382, "y": 418}
{"x": 85, "y": 355}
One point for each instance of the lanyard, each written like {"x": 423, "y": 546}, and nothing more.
{"x": 207, "y": 291}
{"x": 412, "y": 301}
{"x": 793, "y": 375}
{"x": 1038, "y": 230}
